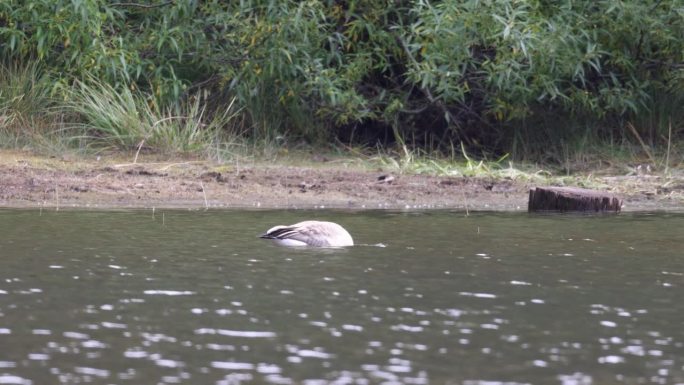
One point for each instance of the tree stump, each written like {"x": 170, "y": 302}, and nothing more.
{"x": 572, "y": 199}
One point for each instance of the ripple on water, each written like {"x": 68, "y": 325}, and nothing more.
{"x": 575, "y": 379}
{"x": 94, "y": 344}
{"x": 135, "y": 353}
{"x": 477, "y": 295}
{"x": 608, "y": 324}
{"x": 167, "y": 363}
{"x": 14, "y": 380}
{"x": 407, "y": 328}
{"x": 540, "y": 363}
{"x": 158, "y": 337}
{"x": 235, "y": 378}
{"x": 236, "y": 333}
{"x": 487, "y": 382}
{"x": 113, "y": 325}
{"x": 489, "y": 326}
{"x": 33, "y": 290}
{"x": 227, "y": 365}
{"x": 169, "y": 292}
{"x": 102, "y": 373}
{"x": 76, "y": 335}
{"x": 221, "y": 347}
{"x": 308, "y": 353}
{"x": 264, "y": 368}
{"x": 611, "y": 359}
{"x": 354, "y": 328}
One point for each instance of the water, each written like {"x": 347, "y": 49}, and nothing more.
{"x": 180, "y": 297}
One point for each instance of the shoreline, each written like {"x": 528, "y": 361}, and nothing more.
{"x": 33, "y": 182}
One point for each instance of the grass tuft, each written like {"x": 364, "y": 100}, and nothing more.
{"x": 127, "y": 120}
{"x": 25, "y": 104}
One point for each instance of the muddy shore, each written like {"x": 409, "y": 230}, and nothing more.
{"x": 32, "y": 181}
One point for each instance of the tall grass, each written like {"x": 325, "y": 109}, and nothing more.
{"x": 24, "y": 100}
{"x": 95, "y": 115}
{"x": 120, "y": 118}
{"x": 130, "y": 120}
{"x": 30, "y": 116}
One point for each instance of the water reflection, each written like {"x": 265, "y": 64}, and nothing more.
{"x": 120, "y": 297}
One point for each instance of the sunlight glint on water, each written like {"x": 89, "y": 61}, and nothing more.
{"x": 120, "y": 297}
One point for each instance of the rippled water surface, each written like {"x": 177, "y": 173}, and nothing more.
{"x": 179, "y": 297}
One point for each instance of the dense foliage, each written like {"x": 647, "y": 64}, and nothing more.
{"x": 433, "y": 72}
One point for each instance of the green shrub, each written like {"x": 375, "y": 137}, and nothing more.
{"x": 428, "y": 73}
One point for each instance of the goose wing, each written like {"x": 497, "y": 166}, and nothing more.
{"x": 313, "y": 233}
{"x": 310, "y": 232}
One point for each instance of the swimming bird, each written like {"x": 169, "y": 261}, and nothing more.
{"x": 310, "y": 233}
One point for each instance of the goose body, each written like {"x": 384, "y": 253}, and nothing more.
{"x": 310, "y": 233}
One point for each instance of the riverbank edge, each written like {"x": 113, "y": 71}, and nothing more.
{"x": 106, "y": 183}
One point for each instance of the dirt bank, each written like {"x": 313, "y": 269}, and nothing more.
{"x": 28, "y": 180}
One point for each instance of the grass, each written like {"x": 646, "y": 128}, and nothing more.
{"x": 407, "y": 161}
{"x": 582, "y": 146}
{"x": 92, "y": 117}
{"x": 25, "y": 105}
{"x": 127, "y": 120}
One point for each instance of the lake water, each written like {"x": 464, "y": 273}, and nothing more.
{"x": 193, "y": 297}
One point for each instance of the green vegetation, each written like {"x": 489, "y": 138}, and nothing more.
{"x": 127, "y": 120}
{"x": 560, "y": 82}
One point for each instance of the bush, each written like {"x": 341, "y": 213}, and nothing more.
{"x": 433, "y": 72}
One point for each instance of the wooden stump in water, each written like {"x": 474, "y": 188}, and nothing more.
{"x": 571, "y": 199}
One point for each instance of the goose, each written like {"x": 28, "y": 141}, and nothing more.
{"x": 310, "y": 233}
